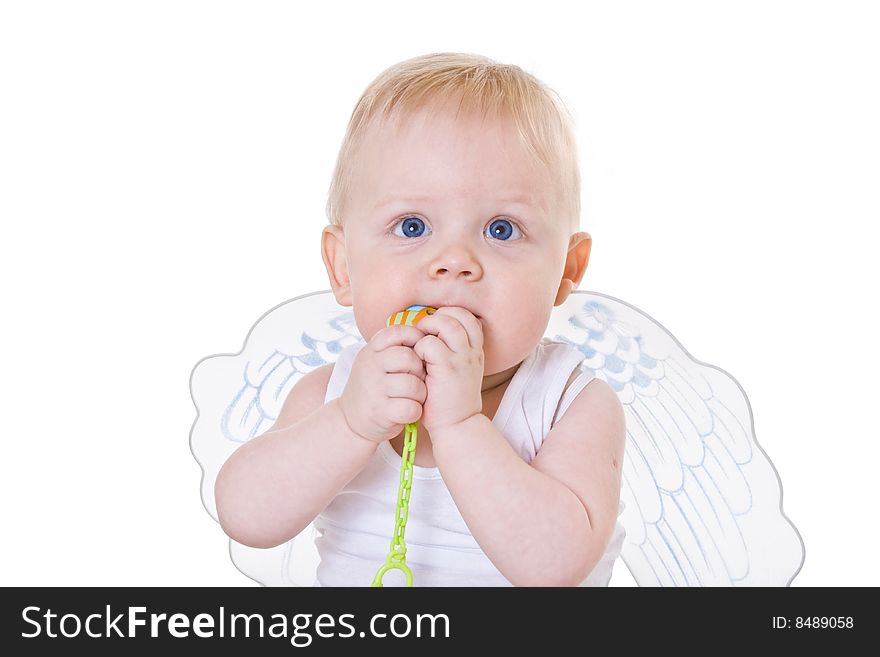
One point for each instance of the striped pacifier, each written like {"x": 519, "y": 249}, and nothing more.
{"x": 397, "y": 555}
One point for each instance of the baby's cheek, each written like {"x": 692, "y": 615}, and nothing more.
{"x": 367, "y": 320}
{"x": 507, "y": 343}
{"x": 383, "y": 286}
{"x": 370, "y": 326}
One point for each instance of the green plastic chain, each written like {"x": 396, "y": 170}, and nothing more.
{"x": 397, "y": 555}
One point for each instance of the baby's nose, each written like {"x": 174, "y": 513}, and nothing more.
{"x": 457, "y": 264}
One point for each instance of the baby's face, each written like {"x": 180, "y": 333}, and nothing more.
{"x": 453, "y": 213}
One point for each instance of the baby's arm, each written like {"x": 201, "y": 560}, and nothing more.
{"x": 547, "y": 523}
{"x": 274, "y": 485}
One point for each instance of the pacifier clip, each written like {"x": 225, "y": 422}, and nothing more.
{"x": 397, "y": 555}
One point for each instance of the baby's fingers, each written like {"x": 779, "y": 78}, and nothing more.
{"x": 404, "y": 411}
{"x": 406, "y": 386}
{"x": 401, "y": 359}
{"x": 399, "y": 334}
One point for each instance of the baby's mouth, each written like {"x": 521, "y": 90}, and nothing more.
{"x": 470, "y": 311}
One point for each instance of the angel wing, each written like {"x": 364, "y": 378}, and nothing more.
{"x": 702, "y": 502}
{"x": 239, "y": 396}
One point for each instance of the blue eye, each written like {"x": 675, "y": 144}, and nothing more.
{"x": 502, "y": 229}
{"x": 412, "y": 227}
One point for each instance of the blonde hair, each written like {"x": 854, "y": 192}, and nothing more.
{"x": 542, "y": 121}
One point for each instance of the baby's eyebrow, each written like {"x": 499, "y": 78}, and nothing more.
{"x": 393, "y": 198}
{"x": 514, "y": 199}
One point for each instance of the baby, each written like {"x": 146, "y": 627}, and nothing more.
{"x": 456, "y": 187}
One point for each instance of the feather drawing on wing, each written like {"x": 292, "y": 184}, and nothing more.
{"x": 239, "y": 396}
{"x": 701, "y": 501}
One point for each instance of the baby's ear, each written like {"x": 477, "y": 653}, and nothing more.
{"x": 579, "y": 246}
{"x": 336, "y": 263}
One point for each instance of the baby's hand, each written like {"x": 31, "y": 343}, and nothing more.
{"x": 386, "y": 387}
{"x": 452, "y": 350}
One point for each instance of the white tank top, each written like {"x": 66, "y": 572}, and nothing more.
{"x": 354, "y": 531}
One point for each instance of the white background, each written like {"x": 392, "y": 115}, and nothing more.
{"x": 163, "y": 174}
